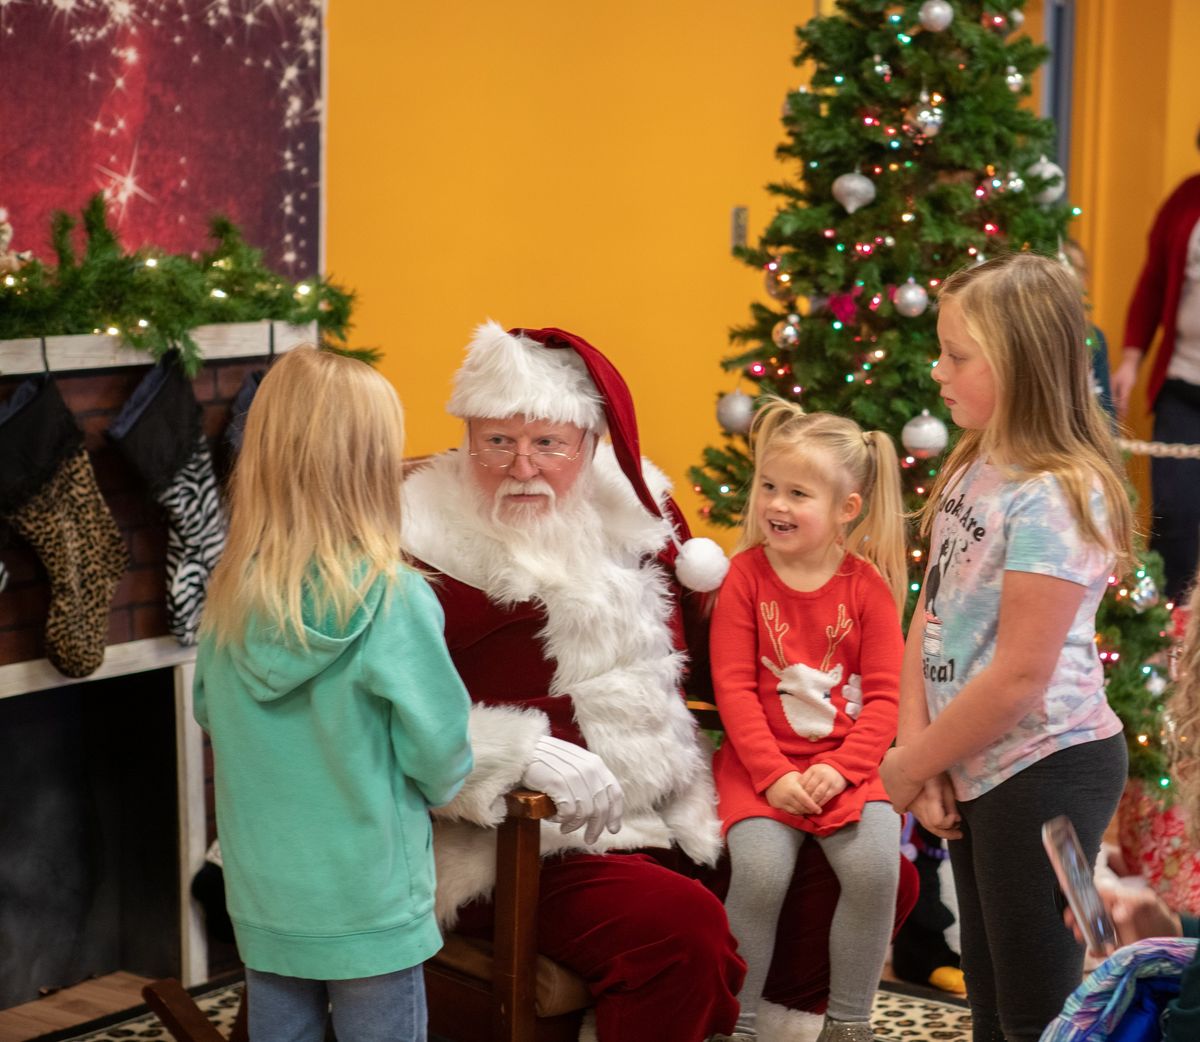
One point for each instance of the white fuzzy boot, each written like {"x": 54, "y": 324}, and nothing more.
{"x": 777, "y": 1023}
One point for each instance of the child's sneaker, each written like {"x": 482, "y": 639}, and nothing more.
{"x": 846, "y": 1031}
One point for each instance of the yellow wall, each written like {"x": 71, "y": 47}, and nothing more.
{"x": 1136, "y": 111}
{"x": 544, "y": 163}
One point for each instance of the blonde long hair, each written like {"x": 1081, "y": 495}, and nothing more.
{"x": 314, "y": 497}
{"x": 1026, "y": 313}
{"x": 1183, "y": 719}
{"x": 865, "y": 463}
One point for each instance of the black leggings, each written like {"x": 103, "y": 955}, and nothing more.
{"x": 1175, "y": 487}
{"x": 1019, "y": 960}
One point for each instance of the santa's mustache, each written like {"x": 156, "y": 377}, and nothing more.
{"x": 532, "y": 487}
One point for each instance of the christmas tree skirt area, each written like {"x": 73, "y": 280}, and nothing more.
{"x": 901, "y": 1012}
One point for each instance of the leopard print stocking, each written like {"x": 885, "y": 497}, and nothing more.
{"x": 69, "y": 525}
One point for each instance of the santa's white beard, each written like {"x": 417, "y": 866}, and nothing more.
{"x": 551, "y": 541}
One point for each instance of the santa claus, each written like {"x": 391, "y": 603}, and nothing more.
{"x": 560, "y": 561}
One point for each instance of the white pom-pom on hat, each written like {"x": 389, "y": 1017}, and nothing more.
{"x": 701, "y": 565}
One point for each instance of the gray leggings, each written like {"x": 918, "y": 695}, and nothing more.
{"x": 762, "y": 854}
{"x": 1020, "y": 961}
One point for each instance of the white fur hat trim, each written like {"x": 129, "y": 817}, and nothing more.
{"x": 504, "y": 375}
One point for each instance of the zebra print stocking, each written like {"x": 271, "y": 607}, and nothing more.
{"x": 195, "y": 539}
{"x": 161, "y": 433}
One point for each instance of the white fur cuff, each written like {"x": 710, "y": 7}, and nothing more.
{"x": 502, "y": 742}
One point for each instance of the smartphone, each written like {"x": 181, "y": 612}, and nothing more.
{"x": 1075, "y": 879}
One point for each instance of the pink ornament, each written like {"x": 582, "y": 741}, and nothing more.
{"x": 842, "y": 305}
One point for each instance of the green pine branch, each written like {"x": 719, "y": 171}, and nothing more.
{"x": 154, "y": 300}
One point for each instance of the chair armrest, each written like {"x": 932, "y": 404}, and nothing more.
{"x": 528, "y": 803}
{"x": 514, "y": 940}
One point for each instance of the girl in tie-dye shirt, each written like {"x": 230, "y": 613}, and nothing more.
{"x": 1003, "y": 719}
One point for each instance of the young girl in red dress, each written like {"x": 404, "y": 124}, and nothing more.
{"x": 806, "y": 653}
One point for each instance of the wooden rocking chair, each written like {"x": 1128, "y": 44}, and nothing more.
{"x": 501, "y": 991}
{"x": 184, "y": 1019}
{"x": 504, "y": 991}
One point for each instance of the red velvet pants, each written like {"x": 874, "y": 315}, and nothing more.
{"x": 655, "y": 948}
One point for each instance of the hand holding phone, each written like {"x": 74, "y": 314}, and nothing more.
{"x": 1075, "y": 880}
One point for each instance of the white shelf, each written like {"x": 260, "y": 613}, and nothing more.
{"x": 90, "y": 351}
{"x": 135, "y": 656}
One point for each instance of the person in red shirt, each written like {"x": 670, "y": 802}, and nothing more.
{"x": 1168, "y": 296}
{"x": 806, "y": 650}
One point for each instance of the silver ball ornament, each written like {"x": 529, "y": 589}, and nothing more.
{"x": 1053, "y": 192}
{"x": 924, "y": 436}
{"x": 935, "y": 15}
{"x": 911, "y": 299}
{"x": 735, "y": 411}
{"x": 786, "y": 333}
{"x": 1014, "y": 79}
{"x": 1144, "y": 593}
{"x": 1016, "y": 18}
{"x": 853, "y": 191}
{"x": 925, "y": 117}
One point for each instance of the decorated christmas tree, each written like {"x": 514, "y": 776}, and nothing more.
{"x": 912, "y": 151}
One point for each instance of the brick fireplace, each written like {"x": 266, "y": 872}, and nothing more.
{"x": 103, "y": 781}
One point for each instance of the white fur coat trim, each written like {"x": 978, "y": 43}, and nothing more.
{"x": 607, "y": 631}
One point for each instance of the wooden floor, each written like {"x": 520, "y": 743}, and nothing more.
{"x": 70, "y": 1006}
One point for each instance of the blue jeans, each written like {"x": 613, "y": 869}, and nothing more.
{"x": 387, "y": 1008}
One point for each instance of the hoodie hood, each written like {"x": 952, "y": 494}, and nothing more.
{"x": 272, "y": 666}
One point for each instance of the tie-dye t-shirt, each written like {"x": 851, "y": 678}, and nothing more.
{"x": 988, "y": 524}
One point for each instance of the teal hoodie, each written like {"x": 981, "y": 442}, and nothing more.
{"x": 327, "y": 759}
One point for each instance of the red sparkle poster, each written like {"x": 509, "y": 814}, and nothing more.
{"x": 176, "y": 110}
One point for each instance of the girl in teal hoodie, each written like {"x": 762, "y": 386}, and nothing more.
{"x": 337, "y": 719}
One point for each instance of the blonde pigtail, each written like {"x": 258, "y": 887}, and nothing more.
{"x": 880, "y": 536}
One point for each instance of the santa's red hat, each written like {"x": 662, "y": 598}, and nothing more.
{"x": 509, "y": 373}
{"x": 550, "y": 374}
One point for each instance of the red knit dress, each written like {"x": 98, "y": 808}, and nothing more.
{"x": 786, "y": 668}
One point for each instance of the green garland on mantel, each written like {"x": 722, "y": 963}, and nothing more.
{"x": 153, "y": 300}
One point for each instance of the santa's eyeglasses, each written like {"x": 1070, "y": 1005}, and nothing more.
{"x": 545, "y": 460}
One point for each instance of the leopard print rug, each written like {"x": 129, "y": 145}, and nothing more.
{"x": 896, "y": 1016}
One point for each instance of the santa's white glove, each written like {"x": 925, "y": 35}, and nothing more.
{"x": 584, "y": 790}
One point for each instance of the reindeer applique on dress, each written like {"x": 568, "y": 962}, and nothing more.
{"x": 804, "y": 691}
